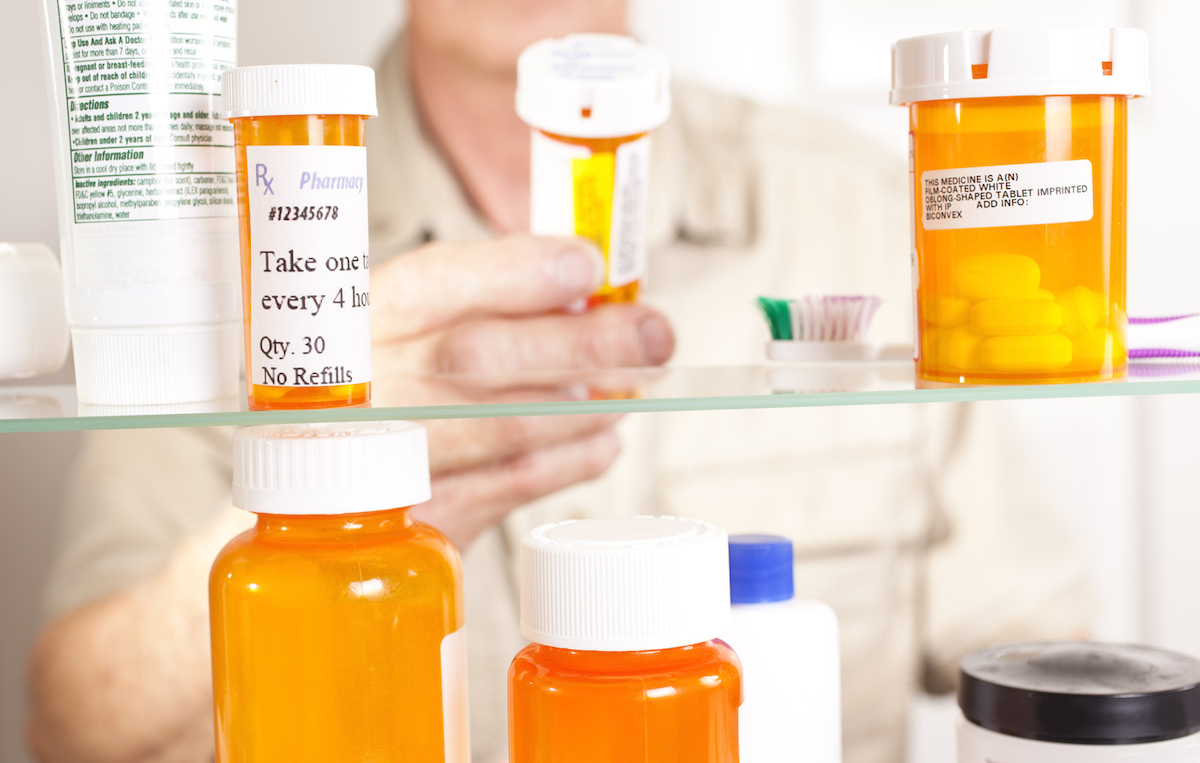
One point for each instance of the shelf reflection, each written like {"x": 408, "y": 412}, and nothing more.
{"x": 399, "y": 396}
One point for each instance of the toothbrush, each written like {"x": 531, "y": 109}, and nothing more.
{"x": 829, "y": 328}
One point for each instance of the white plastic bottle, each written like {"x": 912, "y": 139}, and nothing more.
{"x": 789, "y": 653}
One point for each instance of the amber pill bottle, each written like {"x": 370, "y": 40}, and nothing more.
{"x": 1018, "y": 157}
{"x": 591, "y": 101}
{"x": 301, "y": 158}
{"x": 337, "y": 621}
{"x": 624, "y": 665}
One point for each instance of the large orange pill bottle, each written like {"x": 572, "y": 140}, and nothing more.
{"x": 337, "y": 622}
{"x": 299, "y": 138}
{"x": 623, "y": 614}
{"x": 1018, "y": 154}
{"x": 592, "y": 100}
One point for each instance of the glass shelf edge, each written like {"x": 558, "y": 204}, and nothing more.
{"x": 576, "y": 407}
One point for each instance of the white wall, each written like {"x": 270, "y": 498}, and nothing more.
{"x": 1135, "y": 525}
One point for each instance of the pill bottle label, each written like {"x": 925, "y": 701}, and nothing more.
{"x": 309, "y": 266}
{"x": 146, "y": 146}
{"x": 601, "y": 196}
{"x": 1038, "y": 193}
{"x": 456, "y": 724}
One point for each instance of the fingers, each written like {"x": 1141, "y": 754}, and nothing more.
{"x": 456, "y": 444}
{"x": 468, "y": 502}
{"x": 611, "y": 336}
{"x": 439, "y": 284}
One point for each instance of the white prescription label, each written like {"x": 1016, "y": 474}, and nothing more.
{"x": 601, "y": 196}
{"x": 310, "y": 320}
{"x": 456, "y": 725}
{"x": 1039, "y": 193}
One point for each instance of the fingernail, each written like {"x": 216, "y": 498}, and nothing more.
{"x": 658, "y": 339}
{"x": 579, "y": 269}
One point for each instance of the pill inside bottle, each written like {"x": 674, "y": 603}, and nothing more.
{"x": 299, "y": 139}
{"x": 591, "y": 101}
{"x": 1018, "y": 171}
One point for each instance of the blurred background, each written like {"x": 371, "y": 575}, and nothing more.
{"x": 1119, "y": 468}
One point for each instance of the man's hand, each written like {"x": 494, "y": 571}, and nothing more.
{"x": 501, "y": 308}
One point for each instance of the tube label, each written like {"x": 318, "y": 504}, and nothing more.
{"x": 309, "y": 269}
{"x": 144, "y": 142}
{"x": 1040, "y": 193}
{"x": 601, "y": 196}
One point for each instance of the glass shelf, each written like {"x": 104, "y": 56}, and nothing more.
{"x": 54, "y": 408}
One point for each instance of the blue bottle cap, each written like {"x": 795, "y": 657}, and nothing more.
{"x": 760, "y": 569}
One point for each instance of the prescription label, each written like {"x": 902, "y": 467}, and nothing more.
{"x": 601, "y": 196}
{"x": 456, "y": 724}
{"x": 1039, "y": 193}
{"x": 309, "y": 269}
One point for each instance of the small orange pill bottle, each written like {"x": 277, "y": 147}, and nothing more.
{"x": 299, "y": 139}
{"x": 624, "y": 665}
{"x": 1018, "y": 174}
{"x": 337, "y": 621}
{"x": 591, "y": 101}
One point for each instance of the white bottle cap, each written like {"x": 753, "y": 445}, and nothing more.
{"x": 617, "y": 585}
{"x": 593, "y": 86}
{"x": 33, "y": 319}
{"x": 159, "y": 365}
{"x": 338, "y": 468}
{"x": 297, "y": 89}
{"x": 1037, "y": 62}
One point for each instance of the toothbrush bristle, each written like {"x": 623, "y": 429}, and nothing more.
{"x": 836, "y": 318}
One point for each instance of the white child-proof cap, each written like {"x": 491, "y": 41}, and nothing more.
{"x": 1021, "y": 62}
{"x": 338, "y": 468}
{"x": 616, "y": 585}
{"x": 297, "y": 89}
{"x": 593, "y": 86}
{"x": 33, "y": 319}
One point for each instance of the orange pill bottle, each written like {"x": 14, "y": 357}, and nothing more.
{"x": 337, "y": 621}
{"x": 299, "y": 140}
{"x": 592, "y": 101}
{"x": 624, "y": 665}
{"x": 1018, "y": 175}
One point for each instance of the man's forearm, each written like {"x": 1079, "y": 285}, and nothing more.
{"x": 128, "y": 678}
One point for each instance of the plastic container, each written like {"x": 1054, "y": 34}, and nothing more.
{"x": 623, "y": 614}
{"x": 1018, "y": 169}
{"x": 790, "y": 658}
{"x": 337, "y": 621}
{"x": 592, "y": 100}
{"x": 144, "y": 179}
{"x": 34, "y": 337}
{"x": 1078, "y": 702}
{"x": 299, "y": 134}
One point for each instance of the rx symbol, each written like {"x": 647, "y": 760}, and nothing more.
{"x": 260, "y": 178}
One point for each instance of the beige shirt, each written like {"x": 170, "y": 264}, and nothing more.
{"x": 918, "y": 524}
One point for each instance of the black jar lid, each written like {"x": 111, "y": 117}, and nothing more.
{"x": 1082, "y": 692}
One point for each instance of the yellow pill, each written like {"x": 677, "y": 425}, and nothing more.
{"x": 946, "y": 310}
{"x": 960, "y": 352}
{"x": 1082, "y": 310}
{"x": 1043, "y": 294}
{"x": 996, "y": 276}
{"x": 1045, "y": 352}
{"x": 1007, "y": 317}
{"x": 1091, "y": 348}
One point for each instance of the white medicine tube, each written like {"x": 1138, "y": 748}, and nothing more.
{"x": 147, "y": 206}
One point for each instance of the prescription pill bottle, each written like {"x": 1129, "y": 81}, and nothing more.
{"x": 302, "y": 213}
{"x": 591, "y": 101}
{"x": 1018, "y": 173}
{"x": 1078, "y": 702}
{"x": 624, "y": 666}
{"x": 337, "y": 621}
